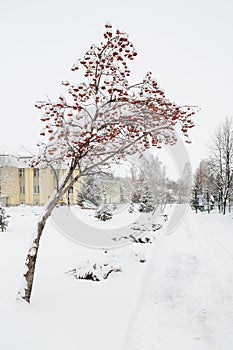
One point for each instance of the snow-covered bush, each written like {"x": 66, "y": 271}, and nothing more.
{"x": 103, "y": 214}
{"x": 141, "y": 233}
{"x": 139, "y": 257}
{"x": 3, "y": 219}
{"x": 93, "y": 271}
{"x": 131, "y": 208}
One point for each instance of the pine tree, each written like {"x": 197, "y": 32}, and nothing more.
{"x": 103, "y": 214}
{"x": 122, "y": 194}
{"x": 91, "y": 190}
{"x": 139, "y": 186}
{"x": 3, "y": 219}
{"x": 131, "y": 208}
{"x": 147, "y": 203}
{"x": 80, "y": 199}
{"x": 136, "y": 197}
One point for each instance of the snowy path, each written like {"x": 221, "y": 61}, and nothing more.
{"x": 187, "y": 298}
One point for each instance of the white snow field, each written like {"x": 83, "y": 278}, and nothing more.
{"x": 181, "y": 298}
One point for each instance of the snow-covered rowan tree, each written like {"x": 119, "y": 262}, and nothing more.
{"x": 221, "y": 159}
{"x": 103, "y": 118}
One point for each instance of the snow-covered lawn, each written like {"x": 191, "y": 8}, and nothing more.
{"x": 181, "y": 298}
{"x": 65, "y": 313}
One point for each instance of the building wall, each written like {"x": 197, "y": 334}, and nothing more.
{"x": 23, "y": 186}
{"x": 9, "y": 185}
{"x": 47, "y": 184}
{"x": 28, "y": 186}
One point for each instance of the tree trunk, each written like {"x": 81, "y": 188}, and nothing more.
{"x": 30, "y": 263}
{"x": 33, "y": 251}
{"x": 224, "y": 205}
{"x": 224, "y": 201}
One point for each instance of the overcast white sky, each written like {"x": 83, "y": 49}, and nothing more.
{"x": 187, "y": 44}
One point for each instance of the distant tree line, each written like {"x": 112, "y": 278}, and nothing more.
{"x": 214, "y": 175}
{"x": 146, "y": 184}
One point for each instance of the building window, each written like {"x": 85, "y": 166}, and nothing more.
{"x": 21, "y": 173}
{"x": 21, "y": 189}
{"x": 36, "y": 189}
{"x": 36, "y": 172}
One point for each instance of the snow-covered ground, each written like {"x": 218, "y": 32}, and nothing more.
{"x": 180, "y": 298}
{"x": 187, "y": 298}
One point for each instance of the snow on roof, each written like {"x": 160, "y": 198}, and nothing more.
{"x": 15, "y": 150}
{"x": 88, "y": 205}
{"x": 17, "y": 156}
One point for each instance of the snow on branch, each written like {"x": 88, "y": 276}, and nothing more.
{"x": 103, "y": 117}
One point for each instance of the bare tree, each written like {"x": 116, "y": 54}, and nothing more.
{"x": 155, "y": 177}
{"x": 221, "y": 159}
{"x": 204, "y": 178}
{"x": 103, "y": 118}
{"x": 185, "y": 184}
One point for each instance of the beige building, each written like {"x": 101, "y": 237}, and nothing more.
{"x": 21, "y": 184}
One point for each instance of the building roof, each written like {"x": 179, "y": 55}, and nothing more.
{"x": 15, "y": 150}
{"x": 17, "y": 156}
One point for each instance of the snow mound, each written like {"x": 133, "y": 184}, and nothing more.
{"x": 94, "y": 271}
